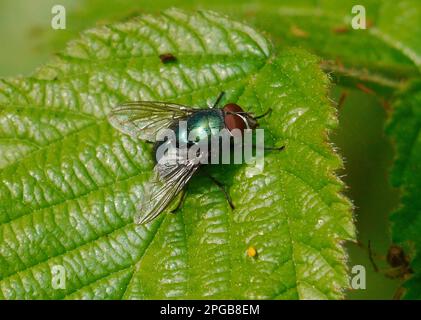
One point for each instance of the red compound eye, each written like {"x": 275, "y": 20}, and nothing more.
{"x": 233, "y": 121}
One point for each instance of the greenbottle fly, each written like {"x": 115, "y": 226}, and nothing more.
{"x": 144, "y": 119}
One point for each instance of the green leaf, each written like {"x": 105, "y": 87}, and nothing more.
{"x": 399, "y": 26}
{"x": 380, "y": 54}
{"x": 70, "y": 182}
{"x": 405, "y": 128}
{"x": 324, "y": 27}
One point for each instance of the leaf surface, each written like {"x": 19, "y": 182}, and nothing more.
{"x": 70, "y": 183}
{"x": 404, "y": 128}
{"x": 387, "y": 51}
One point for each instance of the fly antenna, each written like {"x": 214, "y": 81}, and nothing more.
{"x": 218, "y": 100}
{"x": 264, "y": 114}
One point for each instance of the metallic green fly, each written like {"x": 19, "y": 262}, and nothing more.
{"x": 144, "y": 119}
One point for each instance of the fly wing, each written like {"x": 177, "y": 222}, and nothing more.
{"x": 143, "y": 119}
{"x": 169, "y": 179}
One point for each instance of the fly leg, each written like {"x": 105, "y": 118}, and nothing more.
{"x": 222, "y": 187}
{"x": 269, "y": 148}
{"x": 268, "y": 111}
{"x": 275, "y": 148}
{"x": 218, "y": 100}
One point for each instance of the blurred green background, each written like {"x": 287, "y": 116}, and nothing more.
{"x": 28, "y": 41}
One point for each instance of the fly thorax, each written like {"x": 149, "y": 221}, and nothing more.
{"x": 204, "y": 125}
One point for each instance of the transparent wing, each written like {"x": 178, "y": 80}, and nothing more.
{"x": 143, "y": 119}
{"x": 169, "y": 179}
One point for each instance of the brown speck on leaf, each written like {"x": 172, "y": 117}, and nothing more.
{"x": 340, "y": 29}
{"x": 299, "y": 33}
{"x": 167, "y": 58}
